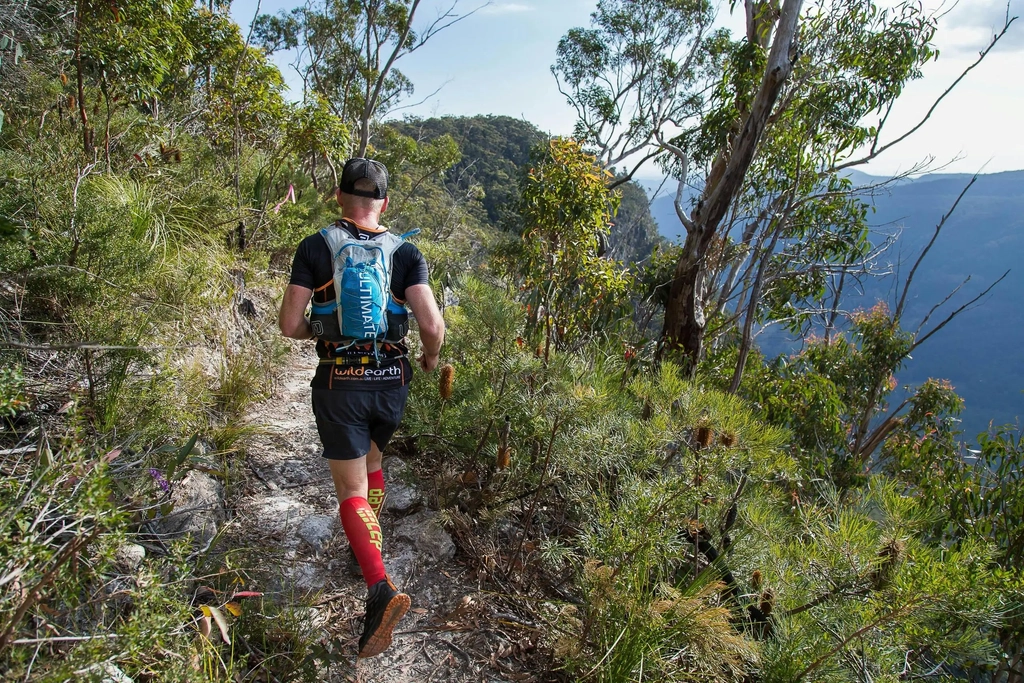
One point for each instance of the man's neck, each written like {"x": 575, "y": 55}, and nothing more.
{"x": 364, "y": 219}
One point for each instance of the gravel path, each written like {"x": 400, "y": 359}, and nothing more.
{"x": 285, "y": 515}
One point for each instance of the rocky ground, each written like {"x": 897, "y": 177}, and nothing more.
{"x": 283, "y": 519}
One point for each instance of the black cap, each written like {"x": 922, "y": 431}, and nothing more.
{"x": 358, "y": 168}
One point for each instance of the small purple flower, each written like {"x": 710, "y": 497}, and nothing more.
{"x": 158, "y": 477}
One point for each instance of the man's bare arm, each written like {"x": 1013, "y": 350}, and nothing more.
{"x": 431, "y": 323}
{"x": 292, "y": 318}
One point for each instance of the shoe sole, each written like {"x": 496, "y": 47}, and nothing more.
{"x": 381, "y": 638}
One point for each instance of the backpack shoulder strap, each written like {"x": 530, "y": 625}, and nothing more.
{"x": 336, "y": 238}
{"x": 388, "y": 243}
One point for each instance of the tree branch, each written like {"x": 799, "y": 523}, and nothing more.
{"x": 938, "y": 228}
{"x": 887, "y": 617}
{"x": 718, "y": 196}
{"x": 922, "y": 340}
{"x": 875, "y": 151}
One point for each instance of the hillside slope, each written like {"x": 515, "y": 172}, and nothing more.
{"x": 495, "y": 152}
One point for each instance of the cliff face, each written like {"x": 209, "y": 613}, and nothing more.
{"x": 634, "y": 231}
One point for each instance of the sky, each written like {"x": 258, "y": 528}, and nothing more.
{"x": 498, "y": 61}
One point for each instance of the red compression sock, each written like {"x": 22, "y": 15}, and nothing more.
{"x": 375, "y": 492}
{"x": 364, "y": 536}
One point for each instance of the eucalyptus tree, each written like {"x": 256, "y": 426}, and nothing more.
{"x": 764, "y": 152}
{"x": 349, "y": 50}
{"x": 761, "y": 128}
{"x": 639, "y": 70}
{"x": 647, "y": 70}
{"x": 572, "y": 295}
{"x": 805, "y": 239}
{"x": 126, "y": 49}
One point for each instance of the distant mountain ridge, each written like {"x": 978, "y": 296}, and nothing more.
{"x": 980, "y": 352}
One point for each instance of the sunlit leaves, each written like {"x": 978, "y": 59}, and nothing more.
{"x": 132, "y": 45}
{"x": 346, "y": 49}
{"x": 564, "y": 206}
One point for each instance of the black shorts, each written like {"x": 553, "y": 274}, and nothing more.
{"x": 348, "y": 420}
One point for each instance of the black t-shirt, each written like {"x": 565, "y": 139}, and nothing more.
{"x": 312, "y": 268}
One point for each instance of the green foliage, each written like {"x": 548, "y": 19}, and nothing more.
{"x": 634, "y": 234}
{"x": 657, "y": 526}
{"x": 680, "y": 635}
{"x": 855, "y": 588}
{"x": 314, "y": 129}
{"x": 608, "y": 457}
{"x": 655, "y": 278}
{"x": 614, "y": 475}
{"x": 12, "y": 391}
{"x": 817, "y": 225}
{"x": 67, "y": 568}
{"x": 349, "y": 51}
{"x": 638, "y": 67}
{"x": 65, "y": 530}
{"x": 494, "y": 151}
{"x": 829, "y": 393}
{"x": 571, "y": 293}
{"x": 483, "y": 185}
{"x": 978, "y": 492}
{"x": 246, "y": 100}
{"x": 415, "y": 167}
{"x": 132, "y": 45}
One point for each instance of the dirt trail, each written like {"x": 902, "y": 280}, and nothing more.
{"x": 285, "y": 512}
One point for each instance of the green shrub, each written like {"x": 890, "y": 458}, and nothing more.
{"x": 12, "y": 391}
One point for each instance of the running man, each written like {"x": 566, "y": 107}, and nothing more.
{"x": 360, "y": 389}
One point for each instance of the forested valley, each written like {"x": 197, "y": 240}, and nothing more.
{"x": 634, "y": 490}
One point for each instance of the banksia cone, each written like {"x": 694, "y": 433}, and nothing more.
{"x": 889, "y": 557}
{"x": 767, "y": 602}
{"x": 504, "y": 457}
{"x": 504, "y": 451}
{"x": 63, "y": 78}
{"x": 695, "y": 529}
{"x": 704, "y": 434}
{"x": 446, "y": 380}
{"x": 727, "y": 439}
{"x": 730, "y": 517}
{"x": 72, "y": 102}
{"x": 756, "y": 580}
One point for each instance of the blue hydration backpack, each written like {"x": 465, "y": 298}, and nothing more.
{"x": 363, "y": 303}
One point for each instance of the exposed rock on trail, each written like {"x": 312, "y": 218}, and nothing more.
{"x": 285, "y": 516}
{"x": 198, "y": 508}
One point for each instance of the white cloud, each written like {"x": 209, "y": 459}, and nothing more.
{"x": 970, "y": 26}
{"x": 506, "y": 8}
{"x": 983, "y": 13}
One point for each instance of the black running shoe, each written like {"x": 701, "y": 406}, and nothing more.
{"x": 384, "y": 607}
